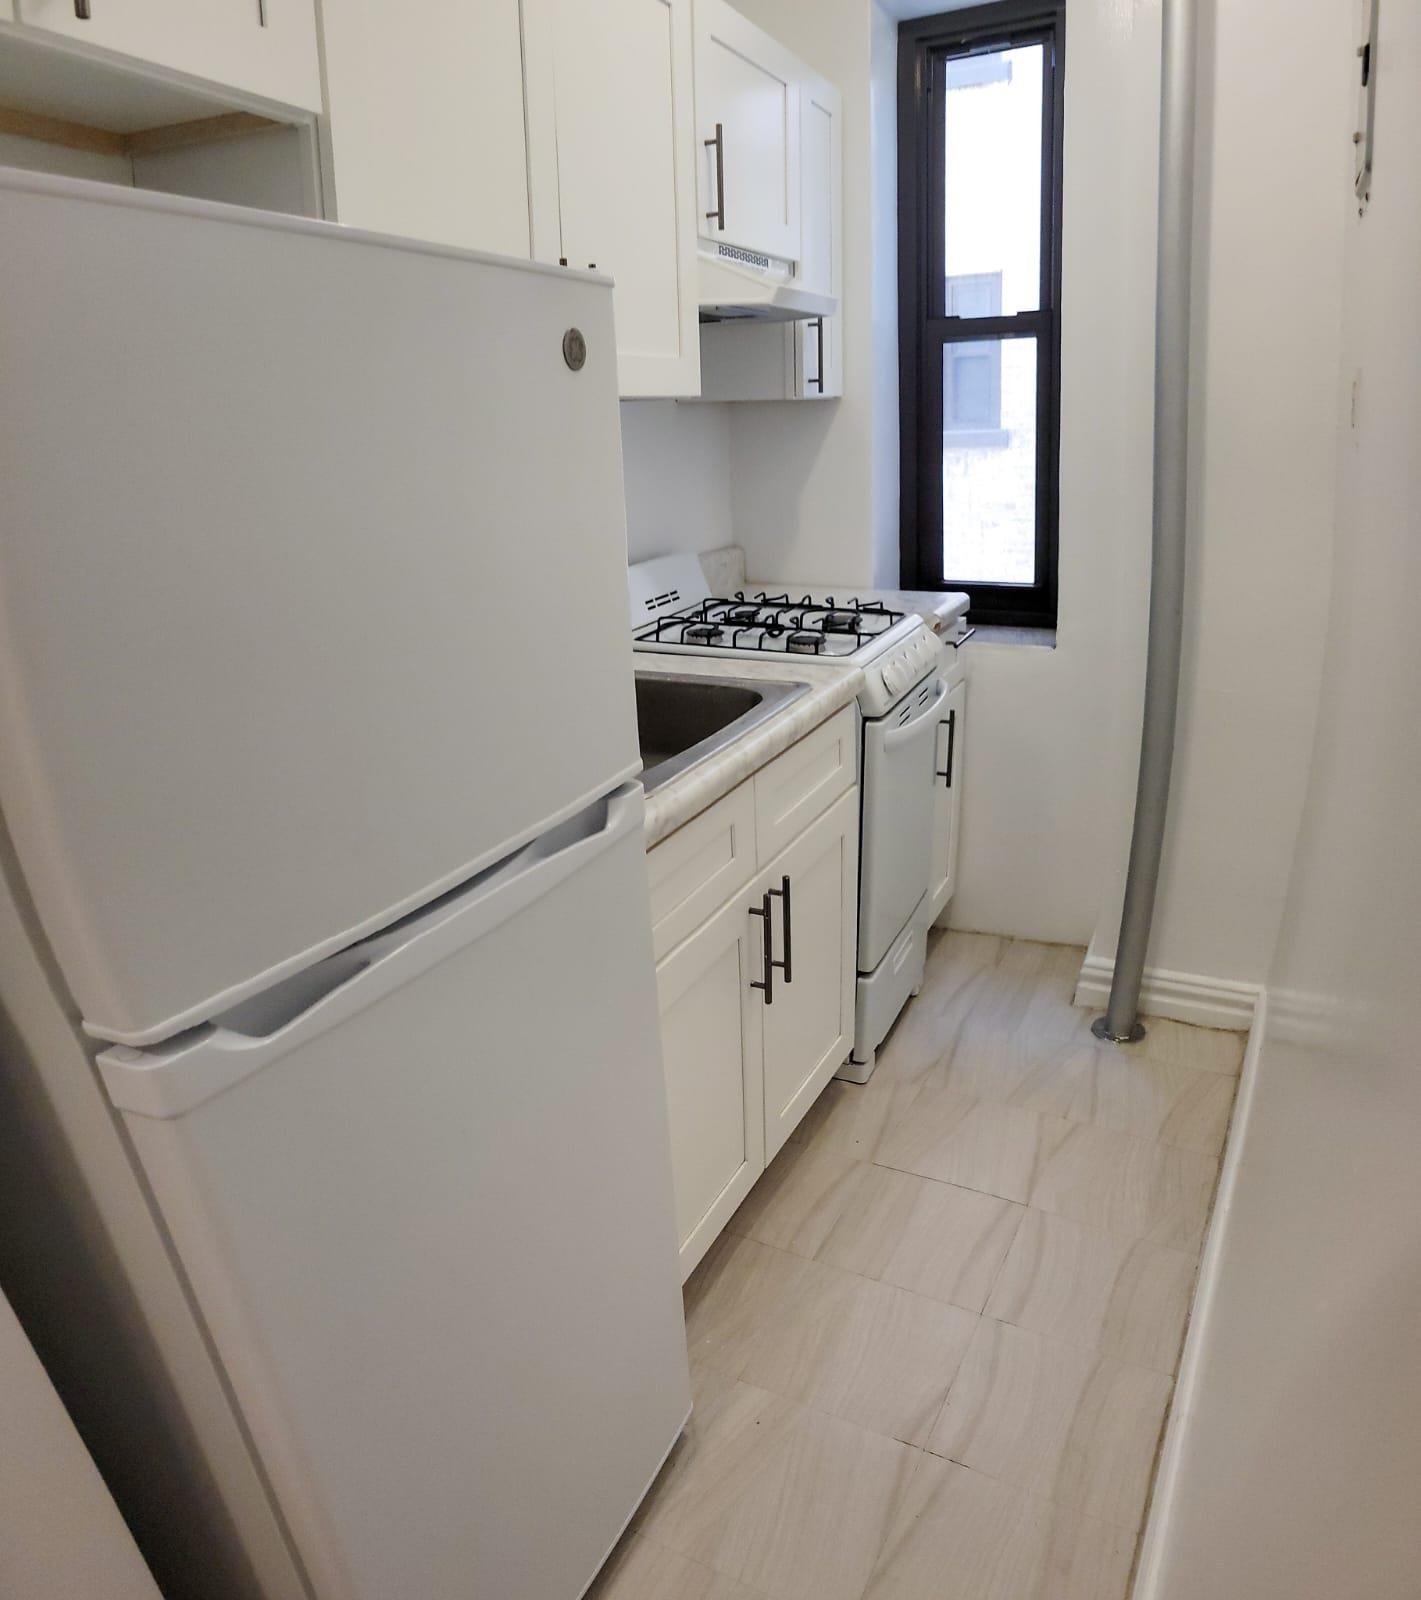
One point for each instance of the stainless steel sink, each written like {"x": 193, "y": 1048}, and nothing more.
{"x": 682, "y": 721}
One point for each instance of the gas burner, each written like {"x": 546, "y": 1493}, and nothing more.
{"x": 803, "y": 644}
{"x": 839, "y": 622}
{"x": 741, "y": 615}
{"x": 701, "y": 633}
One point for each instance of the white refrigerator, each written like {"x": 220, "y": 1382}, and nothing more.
{"x": 318, "y": 769}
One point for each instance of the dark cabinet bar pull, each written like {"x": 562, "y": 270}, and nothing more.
{"x": 951, "y": 726}
{"x": 81, "y": 10}
{"x": 767, "y": 960}
{"x": 782, "y": 893}
{"x": 718, "y": 145}
{"x": 261, "y": 13}
{"x": 819, "y": 377}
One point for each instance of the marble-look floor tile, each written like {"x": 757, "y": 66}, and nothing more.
{"x": 739, "y": 1288}
{"x": 1213, "y": 1049}
{"x": 1056, "y": 1420}
{"x": 871, "y": 1353}
{"x": 934, "y": 1238}
{"x": 853, "y": 1117}
{"x": 804, "y": 1192}
{"x": 1128, "y": 1186}
{"x": 996, "y": 1149}
{"x": 788, "y": 1501}
{"x": 1162, "y": 1101}
{"x": 963, "y": 1536}
{"x": 1125, "y": 1298}
{"x": 641, "y": 1569}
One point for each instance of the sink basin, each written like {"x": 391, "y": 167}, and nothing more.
{"x": 682, "y": 721}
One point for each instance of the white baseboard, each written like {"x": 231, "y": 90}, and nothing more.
{"x": 1184, "y": 996}
{"x": 1150, "y": 1568}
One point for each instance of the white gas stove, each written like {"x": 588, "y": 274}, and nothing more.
{"x": 673, "y": 610}
{"x": 910, "y": 701}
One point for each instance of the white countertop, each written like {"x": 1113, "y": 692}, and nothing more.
{"x": 687, "y": 795}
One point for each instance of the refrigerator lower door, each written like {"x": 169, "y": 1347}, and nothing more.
{"x": 312, "y": 583}
{"x": 424, "y": 1201}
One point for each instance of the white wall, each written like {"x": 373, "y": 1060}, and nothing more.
{"x": 1037, "y": 818}
{"x": 676, "y": 466}
{"x": 1275, "y": 105}
{"x": 1300, "y": 1461}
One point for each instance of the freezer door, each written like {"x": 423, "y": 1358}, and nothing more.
{"x": 427, "y": 1215}
{"x": 280, "y": 501}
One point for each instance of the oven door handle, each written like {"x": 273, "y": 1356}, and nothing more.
{"x": 896, "y": 738}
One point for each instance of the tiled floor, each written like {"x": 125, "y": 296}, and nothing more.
{"x": 933, "y": 1352}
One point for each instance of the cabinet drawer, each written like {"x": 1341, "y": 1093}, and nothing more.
{"x": 695, "y": 870}
{"x": 797, "y": 786}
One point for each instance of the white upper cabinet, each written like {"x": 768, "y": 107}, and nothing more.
{"x": 265, "y": 48}
{"x": 426, "y": 120}
{"x": 795, "y": 360}
{"x": 611, "y": 143}
{"x": 819, "y": 352}
{"x": 747, "y": 126}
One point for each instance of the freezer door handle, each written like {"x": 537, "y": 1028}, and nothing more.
{"x": 172, "y": 1079}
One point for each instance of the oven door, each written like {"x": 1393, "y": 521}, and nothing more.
{"x": 896, "y": 860}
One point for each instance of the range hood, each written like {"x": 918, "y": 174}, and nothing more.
{"x": 742, "y": 285}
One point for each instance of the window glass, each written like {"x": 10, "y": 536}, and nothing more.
{"x": 992, "y": 178}
{"x": 989, "y": 461}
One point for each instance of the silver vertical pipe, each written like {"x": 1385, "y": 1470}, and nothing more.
{"x": 1171, "y": 457}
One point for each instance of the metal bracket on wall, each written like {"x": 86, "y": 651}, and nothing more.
{"x": 1365, "y": 135}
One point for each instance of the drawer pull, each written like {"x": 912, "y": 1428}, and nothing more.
{"x": 768, "y": 963}
{"x": 718, "y": 145}
{"x": 782, "y": 893}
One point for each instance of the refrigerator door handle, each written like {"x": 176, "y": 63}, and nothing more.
{"x": 169, "y": 1080}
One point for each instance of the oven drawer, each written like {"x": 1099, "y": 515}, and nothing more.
{"x": 695, "y": 870}
{"x": 794, "y": 788}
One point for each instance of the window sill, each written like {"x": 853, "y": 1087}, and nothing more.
{"x": 1030, "y": 638}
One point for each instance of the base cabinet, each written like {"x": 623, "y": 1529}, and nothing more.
{"x": 712, "y": 1046}
{"x": 808, "y": 1025}
{"x": 757, "y": 1004}
{"x": 947, "y": 803}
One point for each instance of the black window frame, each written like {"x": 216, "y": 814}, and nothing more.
{"x": 924, "y": 48}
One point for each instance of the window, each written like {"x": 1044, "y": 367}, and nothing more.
{"x": 979, "y": 140}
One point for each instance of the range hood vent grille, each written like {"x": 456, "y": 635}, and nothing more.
{"x": 748, "y": 258}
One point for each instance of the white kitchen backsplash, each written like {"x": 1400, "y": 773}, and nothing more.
{"x": 676, "y": 465}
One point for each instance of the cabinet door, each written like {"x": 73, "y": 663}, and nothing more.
{"x": 623, "y": 109}
{"x": 711, "y": 1042}
{"x": 426, "y": 120}
{"x": 262, "y": 47}
{"x": 748, "y": 84}
{"x": 819, "y": 344}
{"x": 948, "y": 769}
{"x": 809, "y": 1021}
